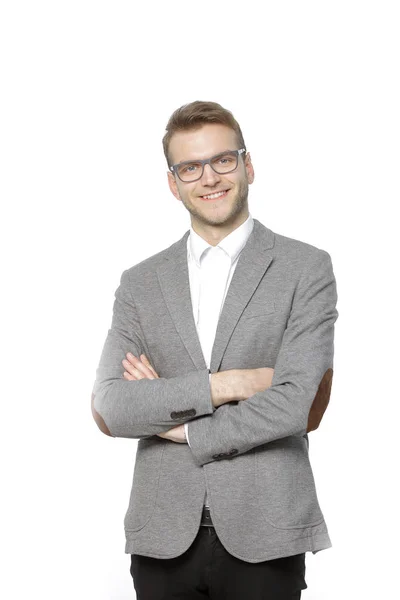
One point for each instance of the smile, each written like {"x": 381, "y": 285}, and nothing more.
{"x": 214, "y": 196}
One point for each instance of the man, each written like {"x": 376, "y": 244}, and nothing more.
{"x": 219, "y": 360}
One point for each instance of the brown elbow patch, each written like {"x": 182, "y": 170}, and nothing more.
{"x": 321, "y": 401}
{"x": 99, "y": 419}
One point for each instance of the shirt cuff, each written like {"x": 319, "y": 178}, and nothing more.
{"x": 186, "y": 433}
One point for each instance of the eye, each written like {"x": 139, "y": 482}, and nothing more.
{"x": 226, "y": 159}
{"x": 189, "y": 168}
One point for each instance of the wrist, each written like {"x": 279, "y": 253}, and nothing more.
{"x": 224, "y": 387}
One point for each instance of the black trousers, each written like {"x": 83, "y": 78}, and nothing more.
{"x": 207, "y": 570}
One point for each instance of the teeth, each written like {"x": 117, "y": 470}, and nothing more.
{"x": 212, "y": 196}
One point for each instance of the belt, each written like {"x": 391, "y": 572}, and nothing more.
{"x": 206, "y": 517}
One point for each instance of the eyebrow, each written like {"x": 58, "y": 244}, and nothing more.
{"x": 197, "y": 159}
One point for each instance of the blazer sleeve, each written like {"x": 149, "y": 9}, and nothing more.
{"x": 305, "y": 355}
{"x": 137, "y": 409}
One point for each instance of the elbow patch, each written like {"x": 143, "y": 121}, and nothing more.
{"x": 99, "y": 419}
{"x": 321, "y": 401}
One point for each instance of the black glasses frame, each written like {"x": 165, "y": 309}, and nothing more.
{"x": 207, "y": 161}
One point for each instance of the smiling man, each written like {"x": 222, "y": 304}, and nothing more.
{"x": 219, "y": 360}
{"x": 215, "y": 193}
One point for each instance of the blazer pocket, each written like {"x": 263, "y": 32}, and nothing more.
{"x": 285, "y": 484}
{"x": 258, "y": 309}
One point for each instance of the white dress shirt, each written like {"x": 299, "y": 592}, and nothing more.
{"x": 210, "y": 273}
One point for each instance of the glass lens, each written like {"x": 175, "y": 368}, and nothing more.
{"x": 190, "y": 171}
{"x": 223, "y": 163}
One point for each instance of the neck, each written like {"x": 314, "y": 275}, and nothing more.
{"x": 213, "y": 234}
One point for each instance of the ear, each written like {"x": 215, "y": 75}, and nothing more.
{"x": 249, "y": 168}
{"x": 173, "y": 185}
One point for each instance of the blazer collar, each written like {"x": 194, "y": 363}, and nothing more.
{"x": 173, "y": 276}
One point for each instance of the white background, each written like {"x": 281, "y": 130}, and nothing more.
{"x": 86, "y": 91}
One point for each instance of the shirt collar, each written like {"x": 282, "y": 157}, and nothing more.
{"x": 232, "y": 244}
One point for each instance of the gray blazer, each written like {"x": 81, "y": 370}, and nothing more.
{"x": 250, "y": 456}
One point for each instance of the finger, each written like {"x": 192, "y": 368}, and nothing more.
{"x": 148, "y": 364}
{"x": 135, "y": 366}
{"x": 140, "y": 366}
{"x": 131, "y": 370}
{"x": 128, "y": 376}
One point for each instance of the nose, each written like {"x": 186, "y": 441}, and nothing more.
{"x": 209, "y": 177}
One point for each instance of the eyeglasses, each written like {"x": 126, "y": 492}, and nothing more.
{"x": 192, "y": 170}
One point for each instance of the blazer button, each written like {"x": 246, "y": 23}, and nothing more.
{"x": 183, "y": 413}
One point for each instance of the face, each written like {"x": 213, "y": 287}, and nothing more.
{"x": 213, "y": 217}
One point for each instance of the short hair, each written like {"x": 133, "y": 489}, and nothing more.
{"x": 192, "y": 116}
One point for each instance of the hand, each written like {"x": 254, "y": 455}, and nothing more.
{"x": 142, "y": 369}
{"x": 239, "y": 384}
{"x": 138, "y": 368}
{"x": 176, "y": 434}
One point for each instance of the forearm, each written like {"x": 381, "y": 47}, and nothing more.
{"x": 281, "y": 411}
{"x": 236, "y": 385}
{"x": 135, "y": 409}
{"x": 107, "y": 411}
{"x": 225, "y": 387}
{"x": 239, "y": 384}
{"x": 318, "y": 407}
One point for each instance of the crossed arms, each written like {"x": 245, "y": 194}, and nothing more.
{"x": 293, "y": 403}
{"x": 223, "y": 386}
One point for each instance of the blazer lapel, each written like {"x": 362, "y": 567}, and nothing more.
{"x": 173, "y": 275}
{"x": 253, "y": 262}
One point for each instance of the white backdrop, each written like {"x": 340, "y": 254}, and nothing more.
{"x": 87, "y": 89}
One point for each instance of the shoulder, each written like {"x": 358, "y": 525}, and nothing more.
{"x": 149, "y": 266}
{"x": 292, "y": 249}
{"x": 294, "y": 258}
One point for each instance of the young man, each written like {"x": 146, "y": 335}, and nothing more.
{"x": 219, "y": 360}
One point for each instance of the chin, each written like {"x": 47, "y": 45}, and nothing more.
{"x": 219, "y": 219}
